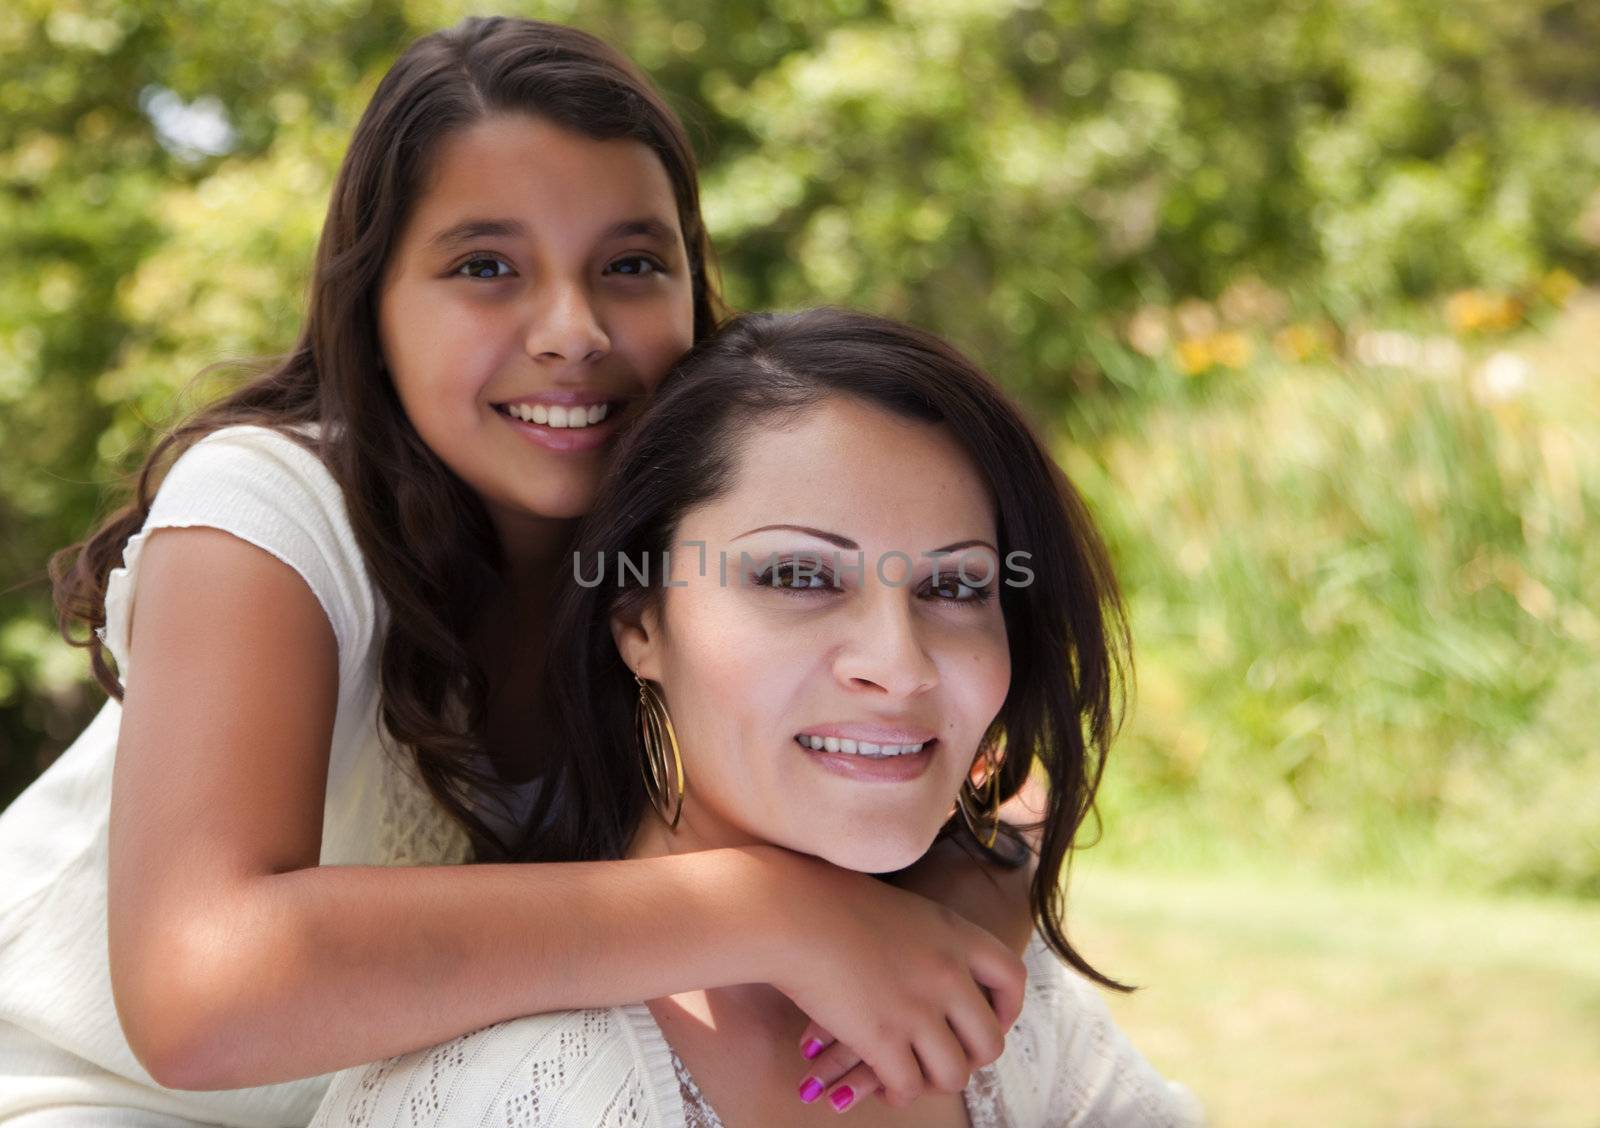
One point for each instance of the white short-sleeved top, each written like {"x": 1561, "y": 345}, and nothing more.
{"x": 1065, "y": 1065}
{"x": 56, "y": 1005}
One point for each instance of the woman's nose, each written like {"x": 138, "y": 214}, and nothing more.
{"x": 564, "y": 326}
{"x": 884, "y": 651}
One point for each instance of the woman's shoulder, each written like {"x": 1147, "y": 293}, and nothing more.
{"x": 1067, "y": 1053}
{"x": 572, "y": 1067}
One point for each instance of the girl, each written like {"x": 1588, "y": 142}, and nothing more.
{"x": 866, "y": 582}
{"x": 327, "y": 623}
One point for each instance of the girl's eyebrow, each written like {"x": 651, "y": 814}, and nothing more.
{"x": 470, "y": 229}
{"x": 647, "y": 226}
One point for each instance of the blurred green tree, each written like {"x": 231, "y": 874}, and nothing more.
{"x": 1022, "y": 175}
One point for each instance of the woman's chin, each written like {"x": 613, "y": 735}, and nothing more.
{"x": 882, "y": 852}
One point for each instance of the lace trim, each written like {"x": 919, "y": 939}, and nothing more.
{"x": 697, "y": 1111}
{"x": 413, "y": 829}
{"x": 984, "y": 1105}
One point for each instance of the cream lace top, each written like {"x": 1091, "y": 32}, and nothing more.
{"x": 55, "y": 986}
{"x": 1065, "y": 1063}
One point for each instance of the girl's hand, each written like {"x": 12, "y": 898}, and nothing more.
{"x": 925, "y": 994}
{"x": 987, "y": 895}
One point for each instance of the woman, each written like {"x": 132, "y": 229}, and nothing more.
{"x": 829, "y": 579}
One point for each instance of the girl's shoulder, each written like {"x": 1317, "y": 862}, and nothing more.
{"x": 268, "y": 487}
{"x": 591, "y": 1066}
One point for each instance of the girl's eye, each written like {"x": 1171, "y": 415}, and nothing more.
{"x": 483, "y": 266}
{"x": 635, "y": 266}
{"x": 792, "y": 577}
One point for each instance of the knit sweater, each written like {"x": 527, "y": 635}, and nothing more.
{"x": 1065, "y": 1063}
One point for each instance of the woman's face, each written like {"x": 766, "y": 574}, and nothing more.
{"x": 541, "y": 280}
{"x": 750, "y": 673}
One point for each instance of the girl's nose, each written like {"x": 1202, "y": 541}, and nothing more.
{"x": 564, "y": 327}
{"x": 884, "y": 652}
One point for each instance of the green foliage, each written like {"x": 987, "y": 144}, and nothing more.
{"x": 1372, "y": 637}
{"x": 1093, "y": 196}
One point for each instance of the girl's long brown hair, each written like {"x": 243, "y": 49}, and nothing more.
{"x": 1066, "y": 629}
{"x": 427, "y": 539}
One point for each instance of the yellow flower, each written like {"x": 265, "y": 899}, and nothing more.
{"x": 1297, "y": 341}
{"x": 1232, "y": 349}
{"x": 1558, "y": 286}
{"x": 1480, "y": 311}
{"x": 1194, "y": 356}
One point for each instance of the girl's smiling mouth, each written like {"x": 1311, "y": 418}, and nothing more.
{"x": 564, "y": 421}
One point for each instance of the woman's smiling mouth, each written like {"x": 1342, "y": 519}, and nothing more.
{"x": 867, "y": 760}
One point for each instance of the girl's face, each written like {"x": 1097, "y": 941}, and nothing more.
{"x": 889, "y": 659}
{"x": 541, "y": 282}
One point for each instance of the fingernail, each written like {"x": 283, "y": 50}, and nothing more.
{"x": 812, "y": 1048}
{"x": 841, "y": 1098}
{"x": 810, "y": 1089}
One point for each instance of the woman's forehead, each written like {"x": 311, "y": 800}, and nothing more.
{"x": 859, "y": 471}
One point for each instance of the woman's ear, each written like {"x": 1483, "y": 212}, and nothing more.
{"x": 637, "y": 633}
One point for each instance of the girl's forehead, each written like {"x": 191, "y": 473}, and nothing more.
{"x": 547, "y": 181}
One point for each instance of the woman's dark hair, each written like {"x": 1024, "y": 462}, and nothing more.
{"x": 1067, "y": 631}
{"x": 426, "y": 537}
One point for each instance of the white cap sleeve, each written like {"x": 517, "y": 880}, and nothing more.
{"x": 267, "y": 489}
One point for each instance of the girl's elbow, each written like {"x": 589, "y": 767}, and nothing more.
{"x": 174, "y": 1013}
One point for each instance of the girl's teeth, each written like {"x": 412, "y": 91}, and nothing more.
{"x": 857, "y": 747}
{"x": 559, "y": 416}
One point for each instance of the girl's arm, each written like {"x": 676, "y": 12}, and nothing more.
{"x": 237, "y": 961}
{"x": 991, "y": 896}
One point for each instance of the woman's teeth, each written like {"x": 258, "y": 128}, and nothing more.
{"x": 857, "y": 747}
{"x": 558, "y": 416}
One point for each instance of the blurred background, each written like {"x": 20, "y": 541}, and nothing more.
{"x": 1301, "y": 293}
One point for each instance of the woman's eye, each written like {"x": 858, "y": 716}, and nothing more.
{"x": 954, "y": 591}
{"x": 791, "y": 577}
{"x": 634, "y": 265}
{"x": 484, "y": 267}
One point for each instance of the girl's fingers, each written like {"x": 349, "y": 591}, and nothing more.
{"x": 1002, "y": 976}
{"x": 832, "y": 1063}
{"x": 814, "y": 1040}
{"x": 854, "y": 1087}
{"x": 943, "y": 1060}
{"x": 976, "y": 1025}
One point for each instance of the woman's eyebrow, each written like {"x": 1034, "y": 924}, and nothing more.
{"x": 851, "y": 546}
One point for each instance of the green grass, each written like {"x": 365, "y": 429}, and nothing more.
{"x": 1310, "y": 1003}
{"x": 1364, "y": 606}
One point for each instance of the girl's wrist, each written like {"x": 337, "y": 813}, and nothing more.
{"x": 758, "y": 891}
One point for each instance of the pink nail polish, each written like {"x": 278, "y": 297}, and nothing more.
{"x": 841, "y": 1098}
{"x": 812, "y": 1048}
{"x": 810, "y": 1089}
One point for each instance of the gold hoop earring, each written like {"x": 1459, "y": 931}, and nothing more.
{"x": 985, "y": 824}
{"x": 655, "y": 732}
